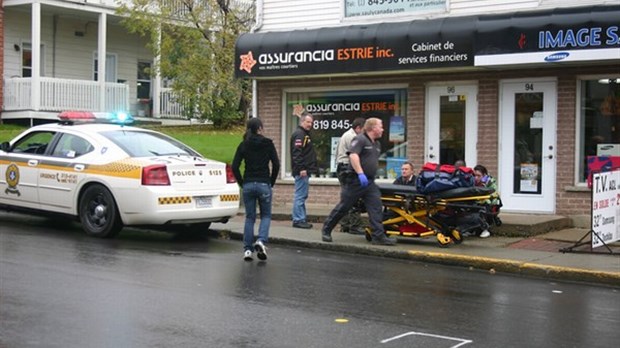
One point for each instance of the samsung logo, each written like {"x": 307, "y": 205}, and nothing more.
{"x": 556, "y": 56}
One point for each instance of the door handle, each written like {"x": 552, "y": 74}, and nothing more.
{"x": 33, "y": 162}
{"x": 78, "y": 167}
{"x": 550, "y": 157}
{"x": 431, "y": 156}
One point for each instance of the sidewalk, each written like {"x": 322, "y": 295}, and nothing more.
{"x": 537, "y": 256}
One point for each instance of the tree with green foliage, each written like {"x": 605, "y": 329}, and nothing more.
{"x": 195, "y": 43}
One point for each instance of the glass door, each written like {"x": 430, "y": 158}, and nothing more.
{"x": 451, "y": 124}
{"x": 527, "y": 143}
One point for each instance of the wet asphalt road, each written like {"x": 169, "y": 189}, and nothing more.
{"x": 60, "y": 288}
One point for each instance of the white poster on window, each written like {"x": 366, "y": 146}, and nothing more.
{"x": 605, "y": 208}
{"x": 529, "y": 177}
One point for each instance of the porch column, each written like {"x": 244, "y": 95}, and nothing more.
{"x": 35, "y": 91}
{"x": 155, "y": 112}
{"x": 101, "y": 63}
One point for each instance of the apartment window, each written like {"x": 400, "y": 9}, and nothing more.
{"x": 144, "y": 80}
{"x": 110, "y": 67}
{"x": 599, "y": 120}
{"x": 333, "y": 113}
{"x": 27, "y": 60}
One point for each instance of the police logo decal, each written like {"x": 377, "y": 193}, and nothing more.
{"x": 12, "y": 179}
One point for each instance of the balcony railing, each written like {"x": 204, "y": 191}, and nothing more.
{"x": 64, "y": 94}
{"x": 172, "y": 106}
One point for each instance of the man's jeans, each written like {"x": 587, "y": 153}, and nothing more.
{"x": 301, "y": 194}
{"x": 253, "y": 192}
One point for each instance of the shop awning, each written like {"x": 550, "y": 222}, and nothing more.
{"x": 558, "y": 35}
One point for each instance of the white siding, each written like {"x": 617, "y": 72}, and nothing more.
{"x": 281, "y": 15}
{"x": 284, "y": 15}
{"x": 467, "y": 7}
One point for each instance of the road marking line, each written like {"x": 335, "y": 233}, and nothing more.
{"x": 413, "y": 333}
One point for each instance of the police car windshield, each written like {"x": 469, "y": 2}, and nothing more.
{"x": 145, "y": 144}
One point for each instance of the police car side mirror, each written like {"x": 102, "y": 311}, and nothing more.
{"x": 5, "y": 146}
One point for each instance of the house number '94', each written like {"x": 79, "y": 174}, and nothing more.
{"x": 529, "y": 86}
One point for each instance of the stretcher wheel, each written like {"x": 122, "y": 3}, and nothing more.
{"x": 457, "y": 237}
{"x": 443, "y": 239}
{"x": 367, "y": 234}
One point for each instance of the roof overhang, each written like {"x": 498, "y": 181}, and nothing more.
{"x": 558, "y": 36}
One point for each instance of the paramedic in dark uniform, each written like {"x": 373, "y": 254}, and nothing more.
{"x": 352, "y": 222}
{"x": 364, "y": 158}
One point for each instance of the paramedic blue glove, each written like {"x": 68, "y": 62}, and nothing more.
{"x": 363, "y": 179}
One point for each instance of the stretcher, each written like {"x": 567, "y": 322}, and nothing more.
{"x": 446, "y": 215}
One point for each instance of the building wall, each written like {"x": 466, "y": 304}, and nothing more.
{"x": 570, "y": 200}
{"x": 282, "y": 15}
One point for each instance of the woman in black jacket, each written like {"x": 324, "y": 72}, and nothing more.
{"x": 257, "y": 181}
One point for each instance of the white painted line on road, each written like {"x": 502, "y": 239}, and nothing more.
{"x": 413, "y": 333}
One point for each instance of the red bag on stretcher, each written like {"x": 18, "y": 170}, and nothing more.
{"x": 436, "y": 178}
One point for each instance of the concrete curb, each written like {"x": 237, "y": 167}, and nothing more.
{"x": 483, "y": 263}
{"x": 519, "y": 267}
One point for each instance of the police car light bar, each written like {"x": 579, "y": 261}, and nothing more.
{"x": 70, "y": 117}
{"x": 76, "y": 115}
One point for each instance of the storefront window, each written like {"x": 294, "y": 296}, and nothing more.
{"x": 599, "y": 118}
{"x": 333, "y": 113}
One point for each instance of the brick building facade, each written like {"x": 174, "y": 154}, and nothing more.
{"x": 557, "y": 99}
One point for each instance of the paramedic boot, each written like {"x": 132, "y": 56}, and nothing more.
{"x": 326, "y": 236}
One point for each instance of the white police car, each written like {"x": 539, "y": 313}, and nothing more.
{"x": 112, "y": 175}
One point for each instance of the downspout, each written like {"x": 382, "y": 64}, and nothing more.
{"x": 257, "y": 26}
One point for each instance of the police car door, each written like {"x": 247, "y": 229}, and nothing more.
{"x": 20, "y": 168}
{"x": 62, "y": 172}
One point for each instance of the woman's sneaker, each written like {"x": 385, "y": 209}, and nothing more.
{"x": 485, "y": 234}
{"x": 261, "y": 250}
{"x": 247, "y": 255}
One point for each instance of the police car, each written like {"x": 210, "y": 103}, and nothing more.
{"x": 109, "y": 175}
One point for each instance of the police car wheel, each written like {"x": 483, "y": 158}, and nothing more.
{"x": 98, "y": 213}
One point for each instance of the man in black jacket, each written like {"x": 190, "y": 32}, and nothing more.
{"x": 303, "y": 163}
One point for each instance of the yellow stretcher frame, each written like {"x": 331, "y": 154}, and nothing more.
{"x": 405, "y": 206}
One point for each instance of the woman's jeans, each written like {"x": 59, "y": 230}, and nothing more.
{"x": 301, "y": 194}
{"x": 256, "y": 192}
